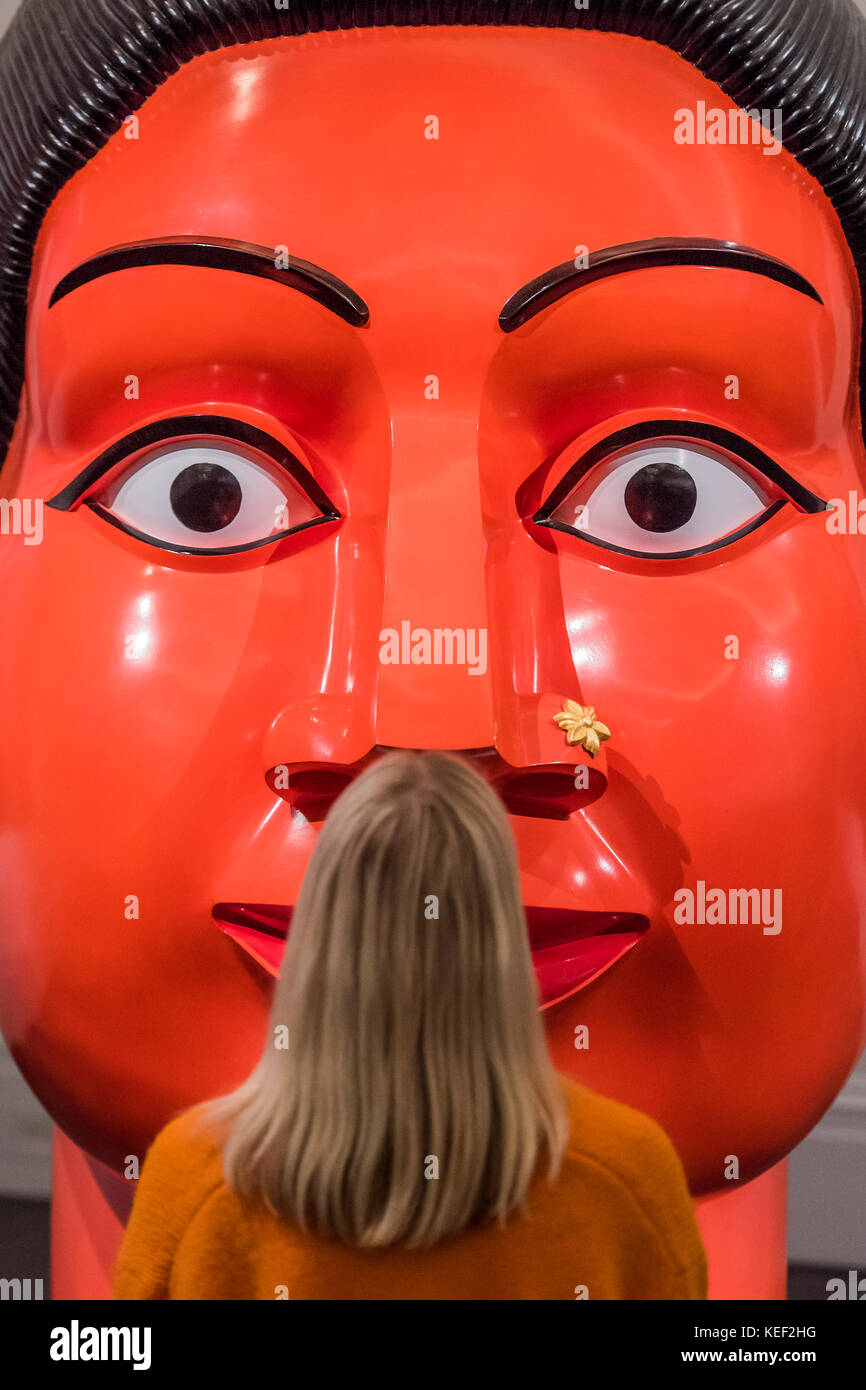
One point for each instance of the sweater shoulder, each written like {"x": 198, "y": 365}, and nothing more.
{"x": 640, "y": 1163}
{"x": 187, "y": 1145}
{"x": 182, "y": 1169}
{"x": 612, "y": 1131}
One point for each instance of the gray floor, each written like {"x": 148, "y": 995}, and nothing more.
{"x": 25, "y": 1240}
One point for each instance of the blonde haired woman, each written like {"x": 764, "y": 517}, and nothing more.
{"x": 414, "y": 1140}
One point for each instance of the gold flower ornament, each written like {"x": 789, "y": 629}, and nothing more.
{"x": 579, "y": 724}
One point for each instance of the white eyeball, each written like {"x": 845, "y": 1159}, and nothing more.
{"x": 662, "y": 498}
{"x": 206, "y": 495}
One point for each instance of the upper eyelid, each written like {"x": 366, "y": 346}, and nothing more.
{"x": 683, "y": 430}
{"x": 185, "y": 428}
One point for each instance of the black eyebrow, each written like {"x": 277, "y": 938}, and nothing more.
{"x": 241, "y": 256}
{"x": 554, "y": 284}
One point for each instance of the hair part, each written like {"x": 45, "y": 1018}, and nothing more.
{"x": 71, "y": 71}
{"x": 416, "y": 1095}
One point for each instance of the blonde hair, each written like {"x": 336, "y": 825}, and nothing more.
{"x": 415, "y": 1041}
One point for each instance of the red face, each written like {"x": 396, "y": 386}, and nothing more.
{"x": 266, "y": 508}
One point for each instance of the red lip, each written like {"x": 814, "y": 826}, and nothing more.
{"x": 570, "y": 948}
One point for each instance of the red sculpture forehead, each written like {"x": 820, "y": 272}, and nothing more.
{"x": 437, "y": 170}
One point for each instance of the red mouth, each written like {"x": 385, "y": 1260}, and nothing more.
{"x": 570, "y": 948}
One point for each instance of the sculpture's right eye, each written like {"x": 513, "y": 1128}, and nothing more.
{"x": 206, "y": 495}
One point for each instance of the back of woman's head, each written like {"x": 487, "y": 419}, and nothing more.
{"x": 415, "y": 1095}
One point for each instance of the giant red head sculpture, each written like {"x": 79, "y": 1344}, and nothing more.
{"x": 389, "y": 387}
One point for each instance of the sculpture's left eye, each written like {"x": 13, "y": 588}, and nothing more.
{"x": 206, "y": 496}
{"x": 668, "y": 497}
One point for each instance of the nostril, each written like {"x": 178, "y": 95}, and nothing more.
{"x": 309, "y": 790}
{"x": 552, "y": 793}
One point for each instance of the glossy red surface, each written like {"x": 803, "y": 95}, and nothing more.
{"x": 149, "y": 695}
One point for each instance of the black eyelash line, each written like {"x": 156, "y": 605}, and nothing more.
{"x": 182, "y": 427}
{"x": 681, "y": 430}
{"x": 671, "y": 554}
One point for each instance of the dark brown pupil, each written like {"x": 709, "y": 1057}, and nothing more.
{"x": 206, "y": 497}
{"x": 661, "y": 497}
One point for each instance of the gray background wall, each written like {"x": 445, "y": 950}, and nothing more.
{"x": 827, "y": 1188}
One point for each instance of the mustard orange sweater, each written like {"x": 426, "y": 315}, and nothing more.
{"x": 618, "y": 1223}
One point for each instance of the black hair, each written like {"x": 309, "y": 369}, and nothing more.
{"x": 71, "y": 71}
